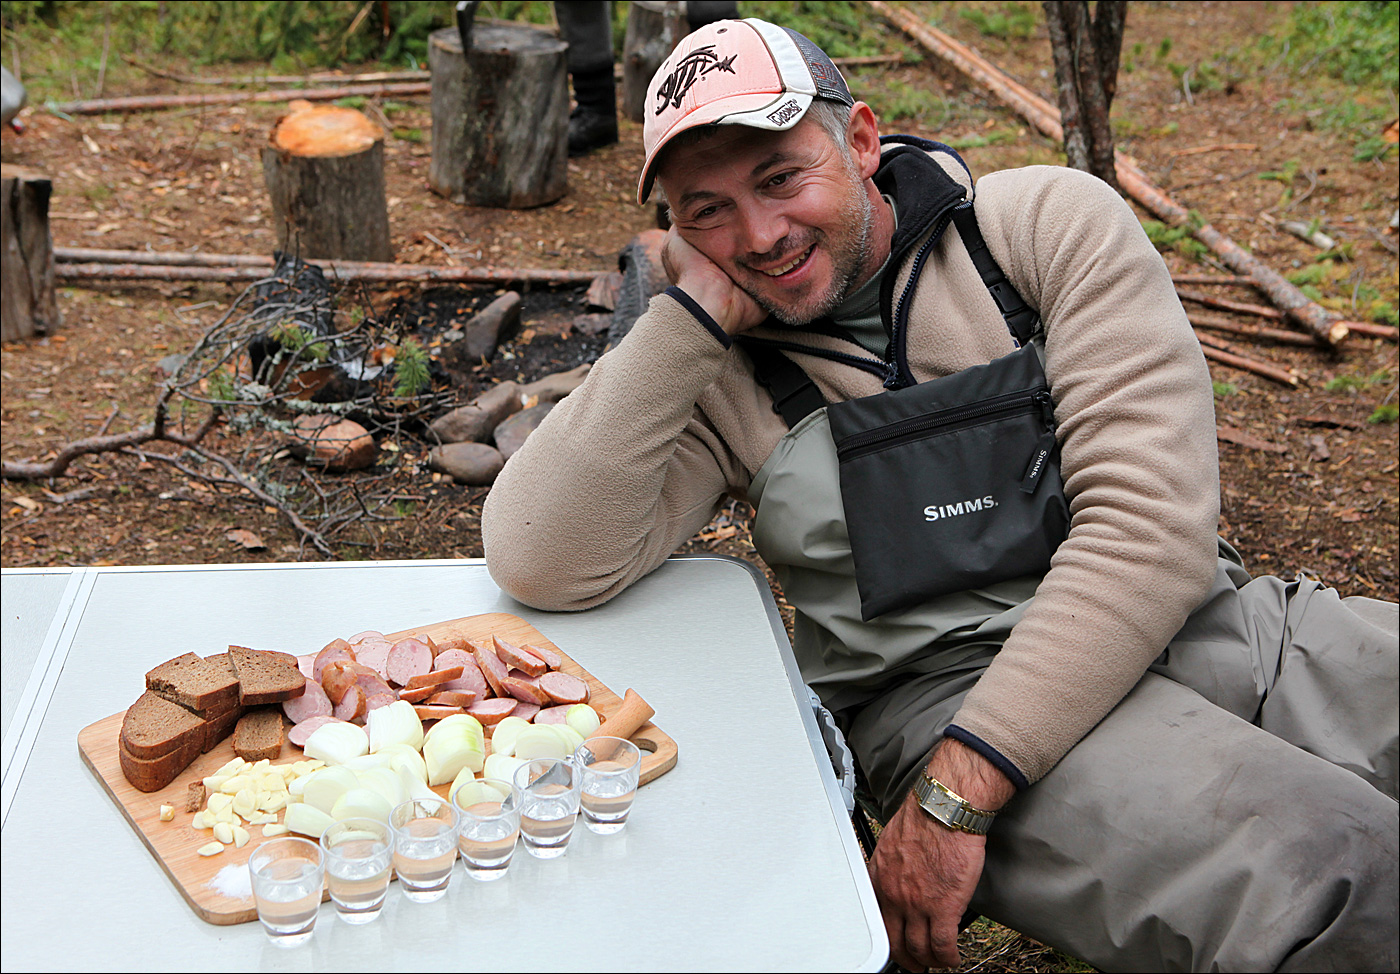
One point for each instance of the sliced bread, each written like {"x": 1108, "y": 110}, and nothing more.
{"x": 154, "y": 727}
{"x": 155, "y": 773}
{"x": 265, "y": 677}
{"x": 259, "y": 735}
{"x": 199, "y": 684}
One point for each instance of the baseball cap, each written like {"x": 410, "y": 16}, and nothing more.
{"x": 735, "y": 72}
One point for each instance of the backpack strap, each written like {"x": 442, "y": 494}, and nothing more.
{"x": 1022, "y": 320}
{"x": 795, "y": 396}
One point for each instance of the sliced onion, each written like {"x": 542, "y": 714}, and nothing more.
{"x": 583, "y": 719}
{"x": 507, "y": 732}
{"x": 417, "y": 788}
{"x": 307, "y": 820}
{"x": 397, "y": 723}
{"x": 362, "y": 803}
{"x": 541, "y": 741}
{"x": 323, "y": 788}
{"x": 502, "y": 766}
{"x": 448, "y": 751}
{"x": 337, "y": 743}
{"x": 386, "y": 783}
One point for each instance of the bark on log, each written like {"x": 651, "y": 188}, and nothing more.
{"x": 654, "y": 28}
{"x": 1234, "y": 361}
{"x": 28, "y": 301}
{"x": 324, "y": 168}
{"x": 1326, "y": 326}
{"x": 336, "y": 270}
{"x": 1252, "y": 331}
{"x": 500, "y": 116}
{"x": 150, "y": 103}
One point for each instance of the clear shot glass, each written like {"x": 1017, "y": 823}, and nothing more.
{"x": 549, "y": 789}
{"x": 609, "y": 767}
{"x": 425, "y": 847}
{"x": 490, "y": 824}
{"x": 287, "y": 876}
{"x": 358, "y": 853}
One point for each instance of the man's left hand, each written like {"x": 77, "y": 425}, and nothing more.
{"x": 925, "y": 873}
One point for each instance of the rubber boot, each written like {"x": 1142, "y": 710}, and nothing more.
{"x": 593, "y": 123}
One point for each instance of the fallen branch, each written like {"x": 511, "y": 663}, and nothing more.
{"x": 1273, "y": 372}
{"x": 1326, "y": 326}
{"x": 1228, "y": 434}
{"x": 1225, "y": 304}
{"x": 320, "y": 78}
{"x": 1238, "y": 279}
{"x": 252, "y": 268}
{"x": 1222, "y": 147}
{"x": 1252, "y": 331}
{"x": 151, "y": 103}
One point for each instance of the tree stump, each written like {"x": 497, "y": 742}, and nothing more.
{"x": 654, "y": 28}
{"x": 28, "y": 302}
{"x": 500, "y": 116}
{"x": 324, "y": 169}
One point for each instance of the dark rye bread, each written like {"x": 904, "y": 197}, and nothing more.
{"x": 154, "y": 727}
{"x": 265, "y": 677}
{"x": 205, "y": 686}
{"x": 259, "y": 735}
{"x": 155, "y": 773}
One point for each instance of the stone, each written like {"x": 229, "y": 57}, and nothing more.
{"x": 476, "y": 464}
{"x": 334, "y": 443}
{"x": 475, "y": 421}
{"x": 499, "y": 319}
{"x": 510, "y": 435}
{"x": 553, "y": 387}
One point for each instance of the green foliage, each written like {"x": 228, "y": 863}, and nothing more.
{"x": 898, "y": 99}
{"x": 409, "y": 135}
{"x": 839, "y": 27}
{"x": 1166, "y": 237}
{"x": 299, "y": 341}
{"x": 1009, "y": 20}
{"x": 221, "y": 385}
{"x": 1351, "y": 383}
{"x": 1386, "y": 413}
{"x": 995, "y": 137}
{"x": 410, "y": 369}
{"x": 1312, "y": 274}
{"x": 1286, "y": 175}
{"x": 1372, "y": 148}
{"x": 1223, "y": 389}
{"x": 1357, "y": 42}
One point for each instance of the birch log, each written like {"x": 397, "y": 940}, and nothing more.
{"x": 27, "y": 297}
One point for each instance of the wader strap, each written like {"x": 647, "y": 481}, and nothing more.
{"x": 795, "y": 396}
{"x": 1021, "y": 319}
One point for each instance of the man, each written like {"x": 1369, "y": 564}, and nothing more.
{"x": 1187, "y": 768}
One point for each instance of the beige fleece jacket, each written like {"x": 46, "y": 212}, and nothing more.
{"x": 637, "y": 460}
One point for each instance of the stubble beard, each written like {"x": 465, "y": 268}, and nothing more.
{"x": 849, "y": 258}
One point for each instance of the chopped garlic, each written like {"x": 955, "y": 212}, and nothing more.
{"x": 212, "y": 849}
{"x": 167, "y": 813}
{"x": 240, "y": 837}
{"x": 223, "y": 832}
{"x": 271, "y": 830}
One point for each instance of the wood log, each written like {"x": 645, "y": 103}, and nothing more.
{"x": 1253, "y": 331}
{"x": 324, "y": 168}
{"x": 28, "y": 301}
{"x": 500, "y": 116}
{"x": 654, "y": 28}
{"x": 150, "y": 103}
{"x": 251, "y": 268}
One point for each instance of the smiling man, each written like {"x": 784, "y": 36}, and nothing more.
{"x": 1096, "y": 727}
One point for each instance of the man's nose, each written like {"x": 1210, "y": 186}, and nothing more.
{"x": 763, "y": 228}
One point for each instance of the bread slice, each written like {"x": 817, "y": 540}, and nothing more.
{"x": 198, "y": 684}
{"x": 154, "y": 727}
{"x": 221, "y": 727}
{"x": 259, "y": 735}
{"x": 155, "y": 773}
{"x": 265, "y": 677}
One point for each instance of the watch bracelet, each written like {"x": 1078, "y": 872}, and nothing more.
{"x": 963, "y": 817}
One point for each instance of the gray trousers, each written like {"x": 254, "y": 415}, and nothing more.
{"x": 1235, "y": 812}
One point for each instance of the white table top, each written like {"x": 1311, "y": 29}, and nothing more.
{"x": 742, "y": 857}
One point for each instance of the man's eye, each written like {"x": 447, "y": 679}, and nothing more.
{"x": 779, "y": 179}
{"x": 706, "y": 212}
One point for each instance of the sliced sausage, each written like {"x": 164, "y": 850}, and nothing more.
{"x": 492, "y": 711}
{"x": 445, "y": 675}
{"x": 307, "y": 665}
{"x": 312, "y": 703}
{"x": 352, "y": 706}
{"x": 564, "y": 688}
{"x": 334, "y": 650}
{"x": 551, "y": 659}
{"x": 453, "y": 698}
{"x": 492, "y": 668}
{"x": 471, "y": 678}
{"x": 360, "y": 637}
{"x": 429, "y": 712}
{"x": 419, "y": 694}
{"x": 374, "y": 701}
{"x": 524, "y": 710}
{"x": 526, "y": 690}
{"x": 408, "y": 658}
{"x": 374, "y": 653}
{"x": 516, "y": 657}
{"x": 305, "y": 728}
{"x": 372, "y": 683}
{"x": 553, "y": 715}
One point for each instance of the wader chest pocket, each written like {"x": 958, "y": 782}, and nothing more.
{"x": 952, "y": 484}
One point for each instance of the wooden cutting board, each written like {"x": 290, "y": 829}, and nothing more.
{"x": 175, "y": 844}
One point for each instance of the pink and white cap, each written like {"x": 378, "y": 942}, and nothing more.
{"x": 735, "y": 72}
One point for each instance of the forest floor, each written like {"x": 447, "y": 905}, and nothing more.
{"x": 1244, "y": 139}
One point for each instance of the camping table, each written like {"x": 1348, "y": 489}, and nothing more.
{"x": 742, "y": 857}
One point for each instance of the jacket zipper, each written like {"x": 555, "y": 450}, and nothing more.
{"x": 897, "y": 374}
{"x": 952, "y": 418}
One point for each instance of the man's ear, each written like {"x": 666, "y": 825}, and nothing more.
{"x": 863, "y": 136}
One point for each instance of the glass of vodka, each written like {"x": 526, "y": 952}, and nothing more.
{"x": 425, "y": 847}
{"x": 549, "y": 789}
{"x": 610, "y": 767}
{"x": 490, "y": 810}
{"x": 358, "y": 853}
{"x": 287, "y": 876}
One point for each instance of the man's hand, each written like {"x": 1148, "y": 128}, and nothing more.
{"x": 709, "y": 286}
{"x": 925, "y": 873}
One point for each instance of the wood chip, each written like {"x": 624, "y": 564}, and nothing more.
{"x": 1229, "y": 434}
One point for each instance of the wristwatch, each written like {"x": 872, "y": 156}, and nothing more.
{"x": 950, "y": 809}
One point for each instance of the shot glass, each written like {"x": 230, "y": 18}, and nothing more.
{"x": 287, "y": 875}
{"x": 490, "y": 810}
{"x": 358, "y": 853}
{"x": 425, "y": 847}
{"x": 549, "y": 789}
{"x": 609, "y": 767}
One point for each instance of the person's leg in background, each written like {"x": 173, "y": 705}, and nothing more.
{"x": 587, "y": 26}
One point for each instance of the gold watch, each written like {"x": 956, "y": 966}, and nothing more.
{"x": 950, "y": 809}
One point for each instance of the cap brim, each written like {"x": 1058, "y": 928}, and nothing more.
{"x": 751, "y": 109}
